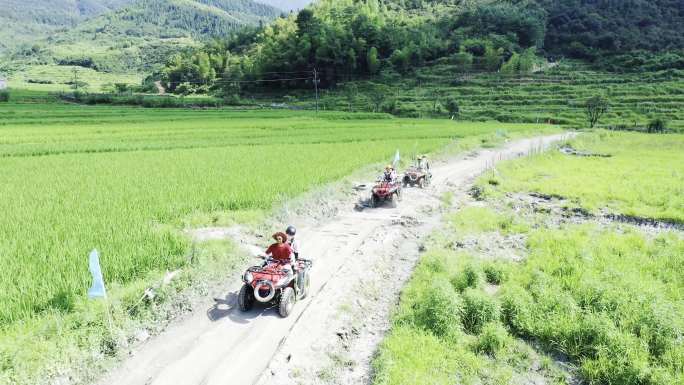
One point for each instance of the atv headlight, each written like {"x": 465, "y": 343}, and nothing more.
{"x": 248, "y": 277}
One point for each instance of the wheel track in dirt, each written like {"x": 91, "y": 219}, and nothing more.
{"x": 237, "y": 348}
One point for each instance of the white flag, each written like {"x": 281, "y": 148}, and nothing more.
{"x": 98, "y": 288}
{"x": 397, "y": 158}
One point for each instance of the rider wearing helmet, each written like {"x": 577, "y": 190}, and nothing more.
{"x": 423, "y": 163}
{"x": 291, "y": 231}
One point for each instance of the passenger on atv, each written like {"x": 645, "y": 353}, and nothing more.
{"x": 294, "y": 244}
{"x": 423, "y": 163}
{"x": 390, "y": 175}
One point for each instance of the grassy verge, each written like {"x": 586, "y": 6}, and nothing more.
{"x": 643, "y": 177}
{"x": 511, "y": 292}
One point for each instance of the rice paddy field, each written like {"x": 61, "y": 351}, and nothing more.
{"x": 125, "y": 181}
{"x": 531, "y": 282}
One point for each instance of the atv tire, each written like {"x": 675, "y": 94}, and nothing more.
{"x": 421, "y": 183}
{"x": 246, "y": 298}
{"x": 394, "y": 201}
{"x": 374, "y": 201}
{"x": 287, "y": 301}
{"x": 306, "y": 285}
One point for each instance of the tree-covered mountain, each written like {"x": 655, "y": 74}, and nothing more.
{"x": 345, "y": 39}
{"x": 23, "y": 22}
{"x": 146, "y": 32}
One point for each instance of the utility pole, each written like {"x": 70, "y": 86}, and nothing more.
{"x": 315, "y": 74}
{"x": 75, "y": 80}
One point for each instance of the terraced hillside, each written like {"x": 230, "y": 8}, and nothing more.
{"x": 557, "y": 95}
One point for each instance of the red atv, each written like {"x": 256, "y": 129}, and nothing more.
{"x": 415, "y": 176}
{"x": 385, "y": 191}
{"x": 275, "y": 282}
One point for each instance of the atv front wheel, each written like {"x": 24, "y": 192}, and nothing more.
{"x": 421, "y": 183}
{"x": 287, "y": 300}
{"x": 246, "y": 298}
{"x": 374, "y": 201}
{"x": 305, "y": 286}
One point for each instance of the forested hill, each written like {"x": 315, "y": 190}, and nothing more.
{"x": 347, "y": 39}
{"x": 146, "y": 32}
{"x": 589, "y": 28}
{"x": 23, "y": 22}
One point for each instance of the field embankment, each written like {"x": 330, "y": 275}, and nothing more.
{"x": 532, "y": 281}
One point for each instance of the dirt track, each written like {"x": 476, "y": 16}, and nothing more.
{"x": 335, "y": 329}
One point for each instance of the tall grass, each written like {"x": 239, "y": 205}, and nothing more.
{"x": 608, "y": 298}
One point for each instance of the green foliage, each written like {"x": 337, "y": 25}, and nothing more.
{"x": 452, "y": 107}
{"x": 440, "y": 311}
{"x": 589, "y": 30}
{"x": 495, "y": 274}
{"x": 592, "y": 182}
{"x": 595, "y": 107}
{"x": 478, "y": 310}
{"x": 520, "y": 64}
{"x": 657, "y": 125}
{"x": 493, "y": 339}
{"x": 4, "y": 96}
{"x": 373, "y": 62}
{"x": 469, "y": 277}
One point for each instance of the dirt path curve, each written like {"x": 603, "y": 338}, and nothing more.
{"x": 231, "y": 347}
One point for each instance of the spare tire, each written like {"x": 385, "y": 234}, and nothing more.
{"x": 271, "y": 291}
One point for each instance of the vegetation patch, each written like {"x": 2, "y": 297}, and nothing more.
{"x": 596, "y": 301}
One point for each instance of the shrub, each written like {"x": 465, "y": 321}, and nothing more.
{"x": 493, "y": 339}
{"x": 516, "y": 310}
{"x": 494, "y": 274}
{"x": 469, "y": 277}
{"x": 657, "y": 125}
{"x": 4, "y": 96}
{"x": 440, "y": 310}
{"x": 478, "y": 310}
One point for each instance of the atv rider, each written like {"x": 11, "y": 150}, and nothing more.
{"x": 294, "y": 244}
{"x": 281, "y": 250}
{"x": 390, "y": 175}
{"x": 423, "y": 163}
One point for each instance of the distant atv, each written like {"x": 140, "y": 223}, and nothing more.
{"x": 385, "y": 191}
{"x": 273, "y": 283}
{"x": 415, "y": 176}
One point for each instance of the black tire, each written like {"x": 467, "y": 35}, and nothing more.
{"x": 246, "y": 298}
{"x": 305, "y": 286}
{"x": 374, "y": 201}
{"x": 421, "y": 183}
{"x": 394, "y": 200}
{"x": 287, "y": 301}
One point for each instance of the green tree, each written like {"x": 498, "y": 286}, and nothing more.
{"x": 373, "y": 61}
{"x": 595, "y": 107}
{"x": 491, "y": 60}
{"x": 377, "y": 94}
{"x": 451, "y": 105}
{"x": 351, "y": 92}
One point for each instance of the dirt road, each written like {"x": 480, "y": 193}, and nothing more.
{"x": 361, "y": 260}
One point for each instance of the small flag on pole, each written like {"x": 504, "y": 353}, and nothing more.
{"x": 98, "y": 288}
{"x": 397, "y": 158}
